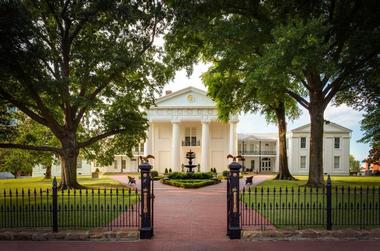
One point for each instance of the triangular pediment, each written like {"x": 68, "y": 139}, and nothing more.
{"x": 327, "y": 127}
{"x": 188, "y": 97}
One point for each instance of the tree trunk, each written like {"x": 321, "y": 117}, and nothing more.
{"x": 69, "y": 157}
{"x": 316, "y": 111}
{"x": 48, "y": 172}
{"x": 283, "y": 170}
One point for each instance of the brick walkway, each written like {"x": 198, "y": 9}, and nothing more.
{"x": 191, "y": 214}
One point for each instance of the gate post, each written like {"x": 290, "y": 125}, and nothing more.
{"x": 234, "y": 229}
{"x": 55, "y": 206}
{"x": 328, "y": 204}
{"x": 146, "y": 227}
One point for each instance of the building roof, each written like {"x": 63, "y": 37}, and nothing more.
{"x": 187, "y": 97}
{"x": 328, "y": 125}
{"x": 258, "y": 136}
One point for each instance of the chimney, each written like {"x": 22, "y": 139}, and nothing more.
{"x": 168, "y": 92}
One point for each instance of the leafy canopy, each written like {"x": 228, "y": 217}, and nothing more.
{"x": 83, "y": 68}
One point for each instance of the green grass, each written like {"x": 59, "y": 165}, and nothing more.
{"x": 298, "y": 206}
{"x": 190, "y": 183}
{"x": 335, "y": 180}
{"x": 38, "y": 182}
{"x": 103, "y": 201}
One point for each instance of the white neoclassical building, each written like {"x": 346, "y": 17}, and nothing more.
{"x": 187, "y": 120}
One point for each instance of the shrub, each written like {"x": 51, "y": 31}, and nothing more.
{"x": 190, "y": 183}
{"x": 154, "y": 173}
{"x": 166, "y": 171}
{"x": 225, "y": 173}
{"x": 185, "y": 176}
{"x": 170, "y": 170}
{"x": 97, "y": 170}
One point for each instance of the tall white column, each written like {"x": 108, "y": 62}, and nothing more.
{"x": 233, "y": 138}
{"x": 205, "y": 146}
{"x": 148, "y": 141}
{"x": 175, "y": 146}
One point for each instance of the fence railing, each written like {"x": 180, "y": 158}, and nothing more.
{"x": 328, "y": 207}
{"x": 70, "y": 209}
{"x": 257, "y": 152}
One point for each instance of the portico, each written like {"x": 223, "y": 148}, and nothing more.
{"x": 186, "y": 120}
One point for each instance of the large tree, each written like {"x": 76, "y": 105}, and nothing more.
{"x": 234, "y": 93}
{"x": 83, "y": 69}
{"x": 316, "y": 45}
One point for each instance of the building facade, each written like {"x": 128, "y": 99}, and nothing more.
{"x": 187, "y": 120}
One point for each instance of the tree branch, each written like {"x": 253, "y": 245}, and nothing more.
{"x": 298, "y": 98}
{"x": 82, "y": 110}
{"x": 30, "y": 147}
{"x": 99, "y": 137}
{"x": 23, "y": 107}
{"x": 337, "y": 83}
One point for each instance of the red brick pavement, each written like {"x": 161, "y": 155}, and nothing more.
{"x": 194, "y": 245}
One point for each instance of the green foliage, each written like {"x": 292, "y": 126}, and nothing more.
{"x": 86, "y": 71}
{"x": 354, "y": 164}
{"x": 371, "y": 128}
{"x": 184, "y": 176}
{"x": 190, "y": 183}
{"x": 170, "y": 170}
{"x": 268, "y": 53}
{"x": 154, "y": 173}
{"x": 225, "y": 173}
{"x": 166, "y": 171}
{"x": 26, "y": 131}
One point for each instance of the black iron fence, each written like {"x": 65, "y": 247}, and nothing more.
{"x": 70, "y": 209}
{"x": 328, "y": 207}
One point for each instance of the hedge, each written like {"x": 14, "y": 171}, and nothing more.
{"x": 187, "y": 176}
{"x": 190, "y": 183}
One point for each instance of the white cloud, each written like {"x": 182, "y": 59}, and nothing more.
{"x": 343, "y": 115}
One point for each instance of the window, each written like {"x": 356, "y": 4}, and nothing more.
{"x": 303, "y": 142}
{"x": 336, "y": 142}
{"x": 252, "y": 147}
{"x": 303, "y": 162}
{"x": 190, "y": 136}
{"x": 336, "y": 161}
{"x": 123, "y": 164}
{"x": 141, "y": 147}
{"x": 115, "y": 164}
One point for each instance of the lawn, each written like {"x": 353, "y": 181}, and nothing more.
{"x": 352, "y": 181}
{"x": 38, "y": 182}
{"x": 27, "y": 203}
{"x": 290, "y": 204}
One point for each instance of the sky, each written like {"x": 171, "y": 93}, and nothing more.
{"x": 255, "y": 123}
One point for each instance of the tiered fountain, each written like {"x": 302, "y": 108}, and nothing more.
{"x": 190, "y": 156}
